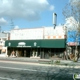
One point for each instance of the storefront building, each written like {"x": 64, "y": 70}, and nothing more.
{"x": 3, "y": 37}
{"x": 44, "y": 42}
{"x": 73, "y": 39}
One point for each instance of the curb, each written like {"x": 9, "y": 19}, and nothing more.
{"x": 46, "y": 65}
{"x": 62, "y": 64}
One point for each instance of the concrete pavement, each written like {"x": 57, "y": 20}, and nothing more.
{"x": 12, "y": 70}
{"x": 30, "y": 69}
{"x": 30, "y": 61}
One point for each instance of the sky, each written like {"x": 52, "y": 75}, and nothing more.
{"x": 30, "y": 13}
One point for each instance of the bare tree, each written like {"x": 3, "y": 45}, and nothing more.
{"x": 72, "y": 11}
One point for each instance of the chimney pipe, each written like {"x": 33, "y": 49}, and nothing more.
{"x": 54, "y": 19}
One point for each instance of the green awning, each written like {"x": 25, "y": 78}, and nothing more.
{"x": 45, "y": 43}
{"x": 56, "y": 43}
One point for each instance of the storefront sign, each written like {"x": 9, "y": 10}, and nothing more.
{"x": 21, "y": 44}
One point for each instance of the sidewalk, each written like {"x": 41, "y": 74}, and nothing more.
{"x": 35, "y": 60}
{"x": 22, "y": 59}
{"x": 26, "y": 59}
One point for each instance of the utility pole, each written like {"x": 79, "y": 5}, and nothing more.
{"x": 12, "y": 24}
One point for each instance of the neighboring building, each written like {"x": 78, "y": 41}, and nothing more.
{"x": 44, "y": 42}
{"x": 3, "y": 37}
{"x": 73, "y": 39}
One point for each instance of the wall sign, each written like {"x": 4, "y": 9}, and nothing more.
{"x": 21, "y": 44}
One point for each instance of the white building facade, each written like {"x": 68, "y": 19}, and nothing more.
{"x": 38, "y": 33}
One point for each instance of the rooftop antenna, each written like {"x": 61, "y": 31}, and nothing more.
{"x": 54, "y": 19}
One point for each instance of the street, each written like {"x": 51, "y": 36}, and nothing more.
{"x": 10, "y": 70}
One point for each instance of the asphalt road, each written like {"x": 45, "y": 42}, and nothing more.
{"x": 10, "y": 70}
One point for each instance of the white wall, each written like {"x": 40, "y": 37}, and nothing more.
{"x": 57, "y": 33}
{"x": 38, "y": 33}
{"x": 23, "y": 34}
{"x": 3, "y": 38}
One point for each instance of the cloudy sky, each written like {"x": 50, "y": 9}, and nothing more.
{"x": 30, "y": 13}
